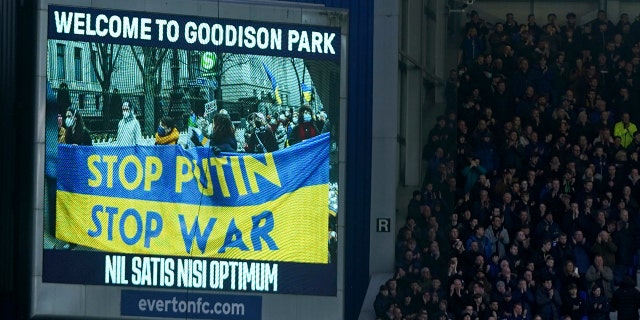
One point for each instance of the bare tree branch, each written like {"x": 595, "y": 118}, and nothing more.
{"x": 138, "y": 62}
{"x": 94, "y": 60}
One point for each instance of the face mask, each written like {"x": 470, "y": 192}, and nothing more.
{"x": 295, "y": 120}
{"x": 161, "y": 131}
{"x": 282, "y": 117}
{"x": 307, "y": 118}
{"x": 287, "y": 114}
{"x": 126, "y": 114}
{"x": 69, "y": 122}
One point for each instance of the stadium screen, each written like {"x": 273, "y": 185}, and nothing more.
{"x": 190, "y": 153}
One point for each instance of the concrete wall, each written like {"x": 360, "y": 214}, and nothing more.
{"x": 384, "y": 160}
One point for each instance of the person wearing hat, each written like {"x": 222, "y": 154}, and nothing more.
{"x": 129, "y": 133}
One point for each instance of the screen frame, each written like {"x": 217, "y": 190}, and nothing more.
{"x": 52, "y": 299}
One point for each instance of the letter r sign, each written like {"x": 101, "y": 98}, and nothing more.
{"x": 383, "y": 225}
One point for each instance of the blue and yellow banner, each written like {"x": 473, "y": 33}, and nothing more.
{"x": 307, "y": 92}
{"x": 274, "y": 84}
{"x": 166, "y": 200}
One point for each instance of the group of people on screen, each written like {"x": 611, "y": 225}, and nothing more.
{"x": 530, "y": 208}
{"x": 263, "y": 133}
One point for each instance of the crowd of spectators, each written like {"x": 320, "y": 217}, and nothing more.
{"x": 530, "y": 205}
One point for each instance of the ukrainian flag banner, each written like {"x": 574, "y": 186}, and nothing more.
{"x": 165, "y": 200}
{"x": 307, "y": 92}
{"x": 274, "y": 84}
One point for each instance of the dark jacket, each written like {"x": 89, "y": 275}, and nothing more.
{"x": 626, "y": 300}
{"x": 80, "y": 137}
{"x": 302, "y": 131}
{"x": 381, "y": 304}
{"x": 569, "y": 304}
{"x": 598, "y": 308}
{"x": 224, "y": 144}
{"x": 548, "y": 307}
{"x": 262, "y": 140}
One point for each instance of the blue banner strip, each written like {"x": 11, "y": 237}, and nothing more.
{"x": 173, "y": 174}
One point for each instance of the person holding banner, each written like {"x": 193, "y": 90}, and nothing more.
{"x": 198, "y": 127}
{"x": 75, "y": 132}
{"x": 305, "y": 129}
{"x": 259, "y": 135}
{"x": 129, "y": 133}
{"x": 223, "y": 138}
{"x": 167, "y": 132}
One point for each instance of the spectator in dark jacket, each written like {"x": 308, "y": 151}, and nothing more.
{"x": 382, "y": 302}
{"x": 75, "y": 131}
{"x": 626, "y": 300}
{"x": 597, "y": 305}
{"x": 548, "y": 300}
{"x": 573, "y": 305}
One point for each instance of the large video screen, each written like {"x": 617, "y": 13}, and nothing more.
{"x": 191, "y": 153}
